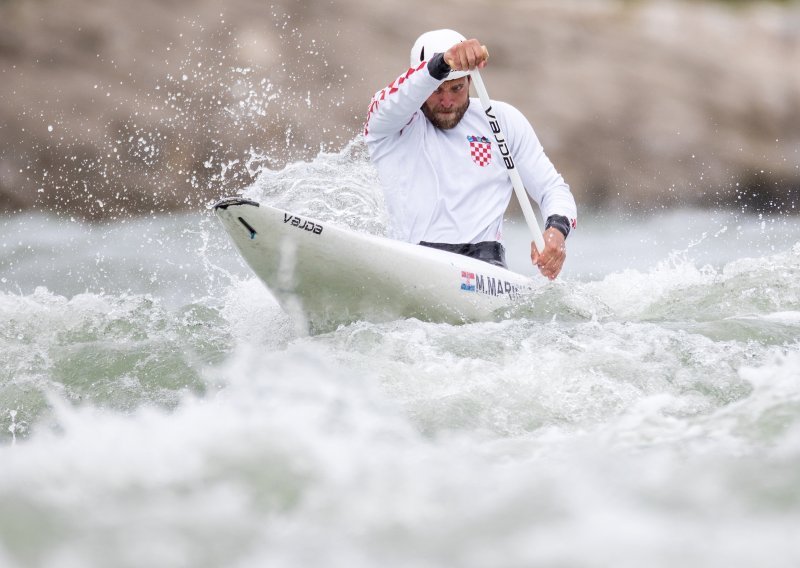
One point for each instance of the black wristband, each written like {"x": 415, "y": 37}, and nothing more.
{"x": 558, "y": 222}
{"x": 437, "y": 66}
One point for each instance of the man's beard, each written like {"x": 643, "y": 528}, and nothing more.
{"x": 448, "y": 120}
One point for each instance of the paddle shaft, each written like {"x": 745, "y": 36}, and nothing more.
{"x": 508, "y": 160}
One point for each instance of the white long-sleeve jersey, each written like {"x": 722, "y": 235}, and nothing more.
{"x": 451, "y": 186}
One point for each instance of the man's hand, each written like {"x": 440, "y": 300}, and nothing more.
{"x": 467, "y": 55}
{"x": 552, "y": 258}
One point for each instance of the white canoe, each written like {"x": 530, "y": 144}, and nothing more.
{"x": 329, "y": 276}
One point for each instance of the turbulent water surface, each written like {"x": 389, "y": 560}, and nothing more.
{"x": 158, "y": 409}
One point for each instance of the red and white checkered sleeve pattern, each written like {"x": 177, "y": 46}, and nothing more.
{"x": 392, "y": 108}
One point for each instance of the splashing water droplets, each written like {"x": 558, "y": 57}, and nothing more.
{"x": 200, "y": 131}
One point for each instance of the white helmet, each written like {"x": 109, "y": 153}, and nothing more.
{"x": 436, "y": 41}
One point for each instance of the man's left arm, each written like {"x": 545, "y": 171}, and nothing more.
{"x": 547, "y": 187}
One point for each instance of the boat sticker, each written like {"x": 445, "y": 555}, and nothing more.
{"x": 296, "y": 221}
{"x": 489, "y": 285}
{"x": 468, "y": 281}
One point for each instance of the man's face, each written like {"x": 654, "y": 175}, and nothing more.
{"x": 446, "y": 106}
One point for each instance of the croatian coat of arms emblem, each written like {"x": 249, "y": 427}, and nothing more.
{"x": 480, "y": 148}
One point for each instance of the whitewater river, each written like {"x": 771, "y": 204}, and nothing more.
{"x": 158, "y": 409}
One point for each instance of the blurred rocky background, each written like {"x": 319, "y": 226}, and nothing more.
{"x": 109, "y": 108}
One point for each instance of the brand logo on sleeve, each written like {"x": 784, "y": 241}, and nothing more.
{"x": 480, "y": 149}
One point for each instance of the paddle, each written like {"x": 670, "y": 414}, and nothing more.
{"x": 508, "y": 159}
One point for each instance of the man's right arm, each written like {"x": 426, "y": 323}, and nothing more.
{"x": 394, "y": 107}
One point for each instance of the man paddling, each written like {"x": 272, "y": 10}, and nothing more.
{"x": 444, "y": 180}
